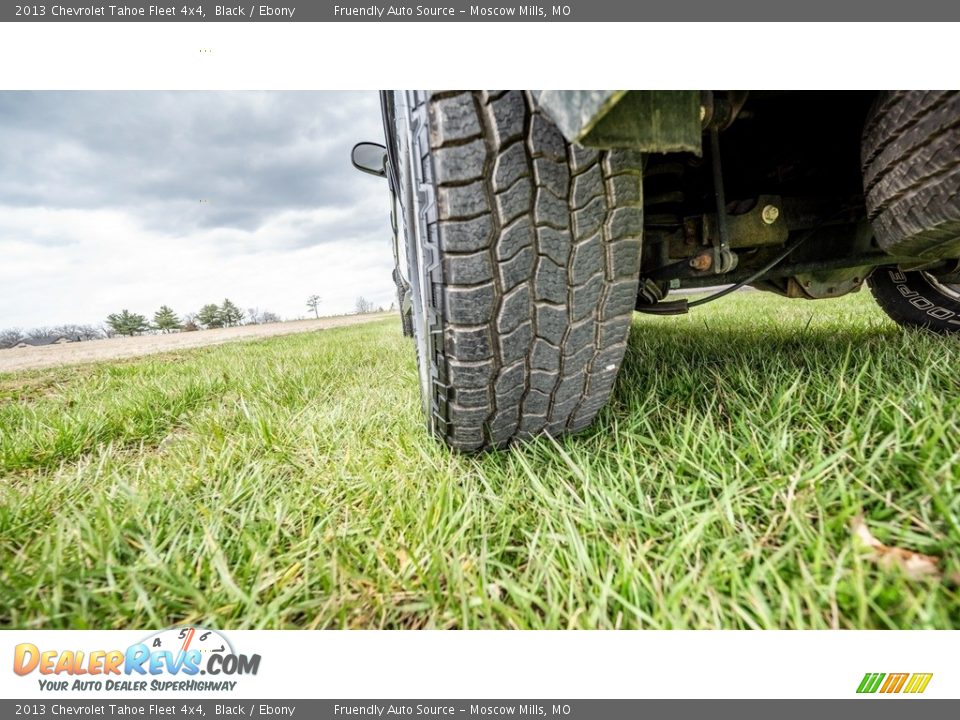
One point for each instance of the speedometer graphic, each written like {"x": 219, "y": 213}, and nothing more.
{"x": 183, "y": 639}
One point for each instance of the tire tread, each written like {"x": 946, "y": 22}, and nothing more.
{"x": 538, "y": 269}
{"x": 911, "y": 169}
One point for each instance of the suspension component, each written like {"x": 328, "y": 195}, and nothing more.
{"x": 724, "y": 259}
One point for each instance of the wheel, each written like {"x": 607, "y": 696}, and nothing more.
{"x": 523, "y": 258}
{"x": 911, "y": 172}
{"x": 917, "y": 299}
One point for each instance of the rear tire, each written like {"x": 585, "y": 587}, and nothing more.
{"x": 523, "y": 256}
{"x": 911, "y": 172}
{"x": 916, "y": 299}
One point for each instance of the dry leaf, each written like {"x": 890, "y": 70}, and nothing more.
{"x": 403, "y": 559}
{"x": 494, "y": 591}
{"x": 913, "y": 564}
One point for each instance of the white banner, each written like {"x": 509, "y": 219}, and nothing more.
{"x": 483, "y": 664}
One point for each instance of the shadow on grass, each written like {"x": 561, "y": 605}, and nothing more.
{"x": 706, "y": 359}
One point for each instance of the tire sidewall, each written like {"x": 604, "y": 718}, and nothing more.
{"x": 915, "y": 299}
{"x": 418, "y": 207}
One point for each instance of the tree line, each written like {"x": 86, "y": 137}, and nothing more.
{"x": 166, "y": 320}
{"x": 125, "y": 322}
{"x": 12, "y": 336}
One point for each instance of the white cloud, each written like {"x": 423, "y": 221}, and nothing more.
{"x": 99, "y": 212}
{"x": 104, "y": 261}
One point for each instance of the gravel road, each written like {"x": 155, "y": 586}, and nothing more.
{"x": 126, "y": 347}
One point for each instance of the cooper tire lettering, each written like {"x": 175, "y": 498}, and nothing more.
{"x": 933, "y": 305}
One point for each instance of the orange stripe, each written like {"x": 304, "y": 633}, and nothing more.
{"x": 186, "y": 642}
{"x": 893, "y": 683}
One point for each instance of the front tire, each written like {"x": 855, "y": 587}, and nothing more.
{"x": 523, "y": 255}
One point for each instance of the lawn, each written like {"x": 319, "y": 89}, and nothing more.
{"x": 288, "y": 483}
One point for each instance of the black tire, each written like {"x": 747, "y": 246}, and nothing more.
{"x": 523, "y": 260}
{"x": 911, "y": 172}
{"x": 915, "y": 299}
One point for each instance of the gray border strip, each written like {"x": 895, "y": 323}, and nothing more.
{"x": 892, "y": 708}
{"x": 482, "y": 11}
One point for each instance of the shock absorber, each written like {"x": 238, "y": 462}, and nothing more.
{"x": 663, "y": 207}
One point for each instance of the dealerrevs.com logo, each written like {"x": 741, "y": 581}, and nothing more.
{"x": 888, "y": 683}
{"x": 169, "y": 660}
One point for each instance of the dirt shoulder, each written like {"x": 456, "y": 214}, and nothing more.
{"x": 125, "y": 347}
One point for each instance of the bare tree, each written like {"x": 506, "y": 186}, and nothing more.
{"x": 71, "y": 331}
{"x": 87, "y": 332}
{"x": 41, "y": 333}
{"x": 364, "y": 306}
{"x": 10, "y": 337}
{"x": 313, "y": 302}
{"x": 256, "y": 316}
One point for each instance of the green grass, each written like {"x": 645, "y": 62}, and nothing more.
{"x": 288, "y": 483}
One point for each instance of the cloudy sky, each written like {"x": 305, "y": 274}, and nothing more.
{"x": 112, "y": 200}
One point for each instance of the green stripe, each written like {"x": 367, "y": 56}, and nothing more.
{"x": 871, "y": 682}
